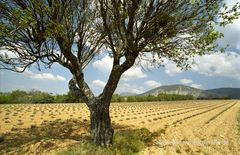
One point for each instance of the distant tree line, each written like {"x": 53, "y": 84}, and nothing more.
{"x": 149, "y": 98}
{"x": 35, "y": 96}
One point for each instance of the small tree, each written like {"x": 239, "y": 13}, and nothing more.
{"x": 41, "y": 97}
{"x": 72, "y": 32}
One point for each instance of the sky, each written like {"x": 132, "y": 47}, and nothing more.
{"x": 209, "y": 71}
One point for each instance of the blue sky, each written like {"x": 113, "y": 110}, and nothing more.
{"x": 210, "y": 71}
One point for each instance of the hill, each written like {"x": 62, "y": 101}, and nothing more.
{"x": 128, "y": 94}
{"x": 233, "y": 93}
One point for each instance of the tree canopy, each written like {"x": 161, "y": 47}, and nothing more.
{"x": 73, "y": 32}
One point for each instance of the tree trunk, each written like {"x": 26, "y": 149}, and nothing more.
{"x": 101, "y": 129}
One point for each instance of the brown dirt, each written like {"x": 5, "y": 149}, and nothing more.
{"x": 192, "y": 127}
{"x": 212, "y": 132}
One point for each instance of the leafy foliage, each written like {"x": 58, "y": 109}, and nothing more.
{"x": 41, "y": 97}
{"x": 19, "y": 96}
{"x": 149, "y": 98}
{"x": 34, "y": 96}
{"x": 71, "y": 33}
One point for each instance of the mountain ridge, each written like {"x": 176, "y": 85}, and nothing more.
{"x": 233, "y": 93}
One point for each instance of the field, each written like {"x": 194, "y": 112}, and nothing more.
{"x": 188, "y": 127}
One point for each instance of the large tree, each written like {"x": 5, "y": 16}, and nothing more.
{"x": 73, "y": 32}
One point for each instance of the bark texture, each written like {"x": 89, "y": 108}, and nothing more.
{"x": 101, "y": 129}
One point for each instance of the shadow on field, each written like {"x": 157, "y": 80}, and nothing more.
{"x": 48, "y": 136}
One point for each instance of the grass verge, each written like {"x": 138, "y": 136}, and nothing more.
{"x": 126, "y": 142}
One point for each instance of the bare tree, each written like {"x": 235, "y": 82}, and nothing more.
{"x": 72, "y": 32}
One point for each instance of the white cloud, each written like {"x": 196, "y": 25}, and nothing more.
{"x": 152, "y": 84}
{"x": 125, "y": 87}
{"x": 133, "y": 73}
{"x": 61, "y": 78}
{"x": 104, "y": 65}
{"x": 146, "y": 60}
{"x": 7, "y": 53}
{"x": 171, "y": 68}
{"x": 215, "y": 64}
{"x": 98, "y": 83}
{"x": 218, "y": 64}
{"x": 231, "y": 31}
{"x": 186, "y": 81}
{"x": 190, "y": 83}
{"x": 44, "y": 76}
{"x": 194, "y": 85}
{"x": 231, "y": 35}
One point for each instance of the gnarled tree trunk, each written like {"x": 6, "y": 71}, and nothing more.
{"x": 101, "y": 129}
